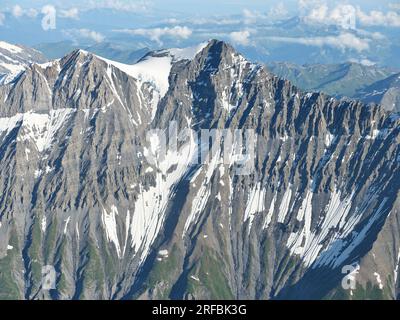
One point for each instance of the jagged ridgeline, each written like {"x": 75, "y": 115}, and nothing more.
{"x": 78, "y": 195}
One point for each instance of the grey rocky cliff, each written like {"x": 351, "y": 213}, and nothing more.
{"x": 79, "y": 194}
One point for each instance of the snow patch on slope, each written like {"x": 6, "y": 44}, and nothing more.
{"x": 43, "y": 224}
{"x": 329, "y": 138}
{"x": 11, "y": 61}
{"x": 66, "y": 224}
{"x": 321, "y": 247}
{"x": 255, "y": 203}
{"x": 10, "y": 47}
{"x": 36, "y": 127}
{"x": 396, "y": 270}
{"x": 152, "y": 202}
{"x": 284, "y": 207}
{"x": 308, "y": 243}
{"x": 42, "y": 128}
{"x": 13, "y": 71}
{"x": 110, "y": 225}
{"x": 203, "y": 194}
{"x": 270, "y": 213}
{"x": 378, "y": 280}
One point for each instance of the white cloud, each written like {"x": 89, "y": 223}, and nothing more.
{"x": 171, "y": 21}
{"x": 305, "y": 5}
{"x": 217, "y": 20}
{"x": 378, "y": 18}
{"x": 32, "y": 13}
{"x": 250, "y": 16}
{"x": 2, "y": 18}
{"x": 90, "y": 34}
{"x": 318, "y": 14}
{"x": 156, "y": 34}
{"x": 84, "y": 33}
{"x": 347, "y": 16}
{"x": 130, "y": 6}
{"x": 278, "y": 11}
{"x": 17, "y": 11}
{"x": 343, "y": 41}
{"x": 72, "y": 13}
{"x": 342, "y": 15}
{"x": 240, "y": 37}
{"x": 373, "y": 35}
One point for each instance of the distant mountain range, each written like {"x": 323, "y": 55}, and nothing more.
{"x": 385, "y": 92}
{"x": 118, "y": 52}
{"x": 368, "y": 83}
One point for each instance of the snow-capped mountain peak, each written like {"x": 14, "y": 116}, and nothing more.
{"x": 14, "y": 59}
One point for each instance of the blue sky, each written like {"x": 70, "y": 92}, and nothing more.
{"x": 190, "y": 6}
{"x": 251, "y": 25}
{"x": 20, "y": 19}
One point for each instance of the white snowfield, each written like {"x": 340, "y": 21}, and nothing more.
{"x": 10, "y": 47}
{"x": 185, "y": 53}
{"x": 156, "y": 69}
{"x": 7, "y": 62}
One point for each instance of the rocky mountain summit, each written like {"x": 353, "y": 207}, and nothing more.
{"x": 79, "y": 194}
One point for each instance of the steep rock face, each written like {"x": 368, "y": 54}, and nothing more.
{"x": 80, "y": 193}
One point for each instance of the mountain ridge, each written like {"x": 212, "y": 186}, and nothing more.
{"x": 350, "y": 79}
